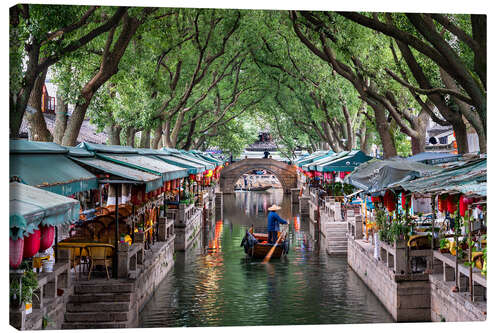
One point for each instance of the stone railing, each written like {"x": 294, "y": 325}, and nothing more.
{"x": 129, "y": 257}
{"x": 48, "y": 299}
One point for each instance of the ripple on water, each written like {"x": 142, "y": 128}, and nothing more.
{"x": 224, "y": 289}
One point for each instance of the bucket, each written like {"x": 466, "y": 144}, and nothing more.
{"x": 48, "y": 265}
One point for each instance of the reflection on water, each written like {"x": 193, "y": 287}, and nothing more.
{"x": 213, "y": 284}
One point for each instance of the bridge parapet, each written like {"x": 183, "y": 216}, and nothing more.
{"x": 285, "y": 173}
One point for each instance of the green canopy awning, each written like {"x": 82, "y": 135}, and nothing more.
{"x": 52, "y": 172}
{"x": 314, "y": 156}
{"x": 152, "y": 181}
{"x": 323, "y": 159}
{"x": 207, "y": 157}
{"x": 31, "y": 206}
{"x": 113, "y": 149}
{"x": 468, "y": 178}
{"x": 191, "y": 158}
{"x": 193, "y": 168}
{"x": 343, "y": 163}
{"x": 148, "y": 164}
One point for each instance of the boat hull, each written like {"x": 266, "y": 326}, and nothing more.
{"x": 259, "y": 249}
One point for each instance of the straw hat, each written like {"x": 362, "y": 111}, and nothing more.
{"x": 274, "y": 208}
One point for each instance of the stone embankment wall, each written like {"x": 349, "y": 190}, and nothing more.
{"x": 449, "y": 306}
{"x": 406, "y": 298}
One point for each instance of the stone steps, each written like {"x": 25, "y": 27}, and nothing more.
{"x": 104, "y": 288}
{"x": 96, "y": 317}
{"x": 93, "y": 325}
{"x": 98, "y": 307}
{"x": 96, "y": 298}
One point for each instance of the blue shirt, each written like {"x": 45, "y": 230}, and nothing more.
{"x": 273, "y": 221}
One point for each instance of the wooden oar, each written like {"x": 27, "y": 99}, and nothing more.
{"x": 271, "y": 251}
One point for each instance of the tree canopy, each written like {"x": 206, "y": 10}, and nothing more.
{"x": 199, "y": 78}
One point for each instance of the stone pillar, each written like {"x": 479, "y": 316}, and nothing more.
{"x": 123, "y": 262}
{"x": 400, "y": 257}
{"x": 358, "y": 229}
{"x": 162, "y": 229}
{"x": 449, "y": 273}
{"x": 17, "y": 319}
{"x": 337, "y": 212}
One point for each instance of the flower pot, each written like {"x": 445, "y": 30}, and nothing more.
{"x": 48, "y": 265}
{"x": 29, "y": 308}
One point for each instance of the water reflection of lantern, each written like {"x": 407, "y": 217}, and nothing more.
{"x": 214, "y": 244}
{"x": 296, "y": 223}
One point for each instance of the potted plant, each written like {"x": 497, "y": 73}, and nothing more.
{"x": 444, "y": 245}
{"x": 23, "y": 294}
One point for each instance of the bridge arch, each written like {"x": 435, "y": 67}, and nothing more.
{"x": 285, "y": 173}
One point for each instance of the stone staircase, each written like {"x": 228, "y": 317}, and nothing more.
{"x": 336, "y": 237}
{"x": 103, "y": 304}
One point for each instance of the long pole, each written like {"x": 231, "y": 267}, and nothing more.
{"x": 115, "y": 255}
{"x": 471, "y": 283}
{"x": 433, "y": 204}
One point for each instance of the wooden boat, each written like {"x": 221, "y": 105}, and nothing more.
{"x": 256, "y": 245}
{"x": 260, "y": 188}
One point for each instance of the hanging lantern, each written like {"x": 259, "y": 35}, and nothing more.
{"x": 16, "y": 248}
{"x": 376, "y": 199}
{"x": 31, "y": 244}
{"x": 137, "y": 195}
{"x": 389, "y": 202}
{"x": 451, "y": 204}
{"x": 342, "y": 175}
{"x": 442, "y": 203}
{"x": 464, "y": 205}
{"x": 47, "y": 237}
{"x": 404, "y": 199}
{"x": 192, "y": 177}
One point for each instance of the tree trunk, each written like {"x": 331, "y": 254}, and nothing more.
{"x": 145, "y": 138}
{"x": 131, "y": 136}
{"x": 157, "y": 137}
{"x": 38, "y": 127}
{"x": 388, "y": 145}
{"x": 114, "y": 134}
{"x": 461, "y": 137}
{"x": 109, "y": 67}
{"x": 61, "y": 119}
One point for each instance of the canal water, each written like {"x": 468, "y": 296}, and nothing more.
{"x": 213, "y": 284}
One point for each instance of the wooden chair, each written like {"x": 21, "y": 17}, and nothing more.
{"x": 100, "y": 255}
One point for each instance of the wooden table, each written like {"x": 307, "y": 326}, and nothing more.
{"x": 78, "y": 250}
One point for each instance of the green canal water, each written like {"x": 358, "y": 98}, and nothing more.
{"x": 213, "y": 284}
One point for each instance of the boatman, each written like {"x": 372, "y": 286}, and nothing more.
{"x": 273, "y": 224}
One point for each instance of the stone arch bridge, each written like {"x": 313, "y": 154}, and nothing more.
{"x": 285, "y": 173}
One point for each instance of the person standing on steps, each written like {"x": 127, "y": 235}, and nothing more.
{"x": 273, "y": 224}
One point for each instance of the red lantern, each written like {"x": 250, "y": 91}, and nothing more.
{"x": 375, "y": 199}
{"x": 137, "y": 195}
{"x": 403, "y": 200}
{"x": 47, "y": 238}
{"x": 31, "y": 244}
{"x": 464, "y": 205}
{"x": 451, "y": 204}
{"x": 192, "y": 177}
{"x": 442, "y": 203}
{"x": 16, "y": 248}
{"x": 389, "y": 201}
